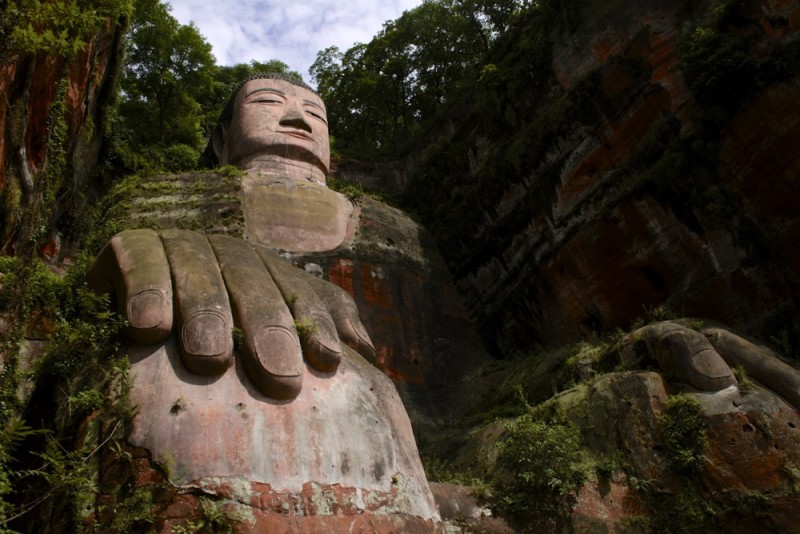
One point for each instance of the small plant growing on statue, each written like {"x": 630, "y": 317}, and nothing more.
{"x": 683, "y": 429}
{"x": 763, "y": 424}
{"x": 230, "y": 171}
{"x": 214, "y": 518}
{"x": 745, "y": 384}
{"x": 238, "y": 338}
{"x": 306, "y": 328}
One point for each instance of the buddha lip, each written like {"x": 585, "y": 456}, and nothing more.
{"x": 301, "y": 135}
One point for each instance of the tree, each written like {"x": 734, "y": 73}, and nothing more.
{"x": 169, "y": 67}
{"x": 60, "y": 28}
{"x": 383, "y": 94}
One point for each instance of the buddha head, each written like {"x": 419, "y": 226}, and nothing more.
{"x": 274, "y": 121}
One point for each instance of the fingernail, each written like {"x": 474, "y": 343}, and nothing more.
{"x": 146, "y": 309}
{"x": 330, "y": 345}
{"x": 366, "y": 348}
{"x": 277, "y": 369}
{"x": 278, "y": 351}
{"x": 360, "y": 331}
{"x": 207, "y": 342}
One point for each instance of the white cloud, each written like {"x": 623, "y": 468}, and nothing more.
{"x": 292, "y": 31}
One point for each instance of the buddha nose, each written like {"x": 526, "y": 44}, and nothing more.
{"x": 294, "y": 116}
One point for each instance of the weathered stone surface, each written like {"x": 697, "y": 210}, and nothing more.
{"x": 259, "y": 415}
{"x": 345, "y": 442}
{"x": 461, "y": 511}
{"x": 752, "y": 452}
{"x": 296, "y": 216}
{"x": 416, "y": 318}
{"x": 552, "y": 257}
{"x": 682, "y": 353}
{"x": 29, "y": 84}
{"x": 388, "y": 262}
{"x": 250, "y": 507}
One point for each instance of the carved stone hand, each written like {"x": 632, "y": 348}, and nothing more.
{"x": 205, "y": 286}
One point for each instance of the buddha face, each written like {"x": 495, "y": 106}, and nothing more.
{"x": 277, "y": 118}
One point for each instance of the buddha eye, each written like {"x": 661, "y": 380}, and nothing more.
{"x": 268, "y": 101}
{"x": 317, "y": 116}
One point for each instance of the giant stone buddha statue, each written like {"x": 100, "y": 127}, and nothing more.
{"x": 293, "y": 407}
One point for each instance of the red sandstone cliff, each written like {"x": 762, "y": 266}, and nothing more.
{"x": 610, "y": 188}
{"x": 39, "y": 92}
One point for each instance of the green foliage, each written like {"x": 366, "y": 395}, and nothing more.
{"x": 533, "y": 377}
{"x": 683, "y": 430}
{"x": 38, "y": 214}
{"x": 12, "y": 434}
{"x": 525, "y": 122}
{"x": 306, "y": 327}
{"x": 718, "y": 68}
{"x": 541, "y": 467}
{"x": 172, "y": 93}
{"x": 169, "y": 69}
{"x": 238, "y": 338}
{"x": 230, "y": 171}
{"x": 180, "y": 157}
{"x": 792, "y": 474}
{"x": 86, "y": 332}
{"x": 134, "y": 512}
{"x": 653, "y": 314}
{"x": 61, "y": 27}
{"x": 82, "y": 370}
{"x": 745, "y": 383}
{"x": 214, "y": 518}
{"x": 383, "y": 94}
{"x": 352, "y": 190}
{"x": 440, "y": 470}
{"x": 604, "y": 468}
{"x": 763, "y": 424}
{"x": 723, "y": 68}
{"x": 683, "y": 513}
{"x": 782, "y": 329}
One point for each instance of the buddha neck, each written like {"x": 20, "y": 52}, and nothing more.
{"x": 271, "y": 164}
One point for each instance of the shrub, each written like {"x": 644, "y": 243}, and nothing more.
{"x": 683, "y": 429}
{"x": 179, "y": 157}
{"x": 718, "y": 68}
{"x": 685, "y": 512}
{"x": 540, "y": 468}
{"x": 745, "y": 383}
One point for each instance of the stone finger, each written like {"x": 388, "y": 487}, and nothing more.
{"x": 205, "y": 324}
{"x": 315, "y": 326}
{"x": 344, "y": 313}
{"x": 133, "y": 266}
{"x": 271, "y": 350}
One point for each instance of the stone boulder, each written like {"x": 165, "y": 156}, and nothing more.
{"x": 746, "y": 473}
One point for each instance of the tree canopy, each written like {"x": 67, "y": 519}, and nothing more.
{"x": 172, "y": 91}
{"x": 380, "y": 95}
{"x": 384, "y": 93}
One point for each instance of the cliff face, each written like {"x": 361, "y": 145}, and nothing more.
{"x": 621, "y": 173}
{"x": 52, "y": 116}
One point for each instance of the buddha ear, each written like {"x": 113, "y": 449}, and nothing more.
{"x": 219, "y": 142}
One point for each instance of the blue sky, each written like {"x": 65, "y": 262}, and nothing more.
{"x": 292, "y": 31}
